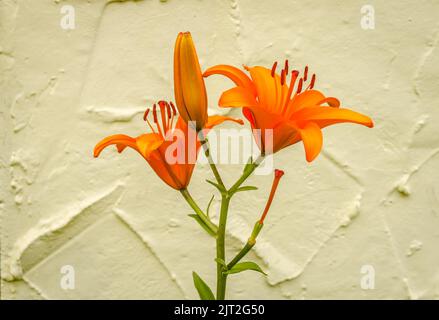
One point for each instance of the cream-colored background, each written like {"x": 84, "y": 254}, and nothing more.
{"x": 371, "y": 197}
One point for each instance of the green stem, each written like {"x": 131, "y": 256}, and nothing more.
{"x": 241, "y": 254}
{"x": 205, "y": 144}
{"x": 198, "y": 211}
{"x": 246, "y": 174}
{"x": 248, "y": 246}
{"x": 225, "y": 202}
{"x": 220, "y": 241}
{"x": 220, "y": 248}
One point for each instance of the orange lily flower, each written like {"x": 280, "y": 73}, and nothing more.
{"x": 292, "y": 113}
{"x": 153, "y": 147}
{"x": 189, "y": 89}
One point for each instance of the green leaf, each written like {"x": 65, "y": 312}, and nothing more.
{"x": 243, "y": 266}
{"x": 246, "y": 188}
{"x": 208, "y": 205}
{"x": 203, "y": 224}
{"x": 216, "y": 185}
{"x": 202, "y": 288}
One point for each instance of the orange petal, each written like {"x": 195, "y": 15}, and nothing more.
{"x": 120, "y": 140}
{"x": 164, "y": 170}
{"x": 269, "y": 89}
{"x": 234, "y": 74}
{"x": 186, "y": 137}
{"x": 147, "y": 143}
{"x": 237, "y": 97}
{"x": 312, "y": 138}
{"x": 331, "y": 101}
{"x": 325, "y": 116}
{"x": 264, "y": 118}
{"x": 120, "y": 147}
{"x": 271, "y": 126}
{"x": 308, "y": 98}
{"x": 213, "y": 121}
{"x": 143, "y": 144}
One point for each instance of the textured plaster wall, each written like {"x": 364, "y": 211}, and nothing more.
{"x": 371, "y": 198}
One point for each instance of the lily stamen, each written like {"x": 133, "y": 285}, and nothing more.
{"x": 313, "y": 80}
{"x": 305, "y": 74}
{"x": 174, "y": 113}
{"x": 294, "y": 75}
{"x": 311, "y": 84}
{"x": 273, "y": 69}
{"x": 145, "y": 118}
{"x": 168, "y": 115}
{"x": 162, "y": 115}
{"x": 299, "y": 87}
{"x": 154, "y": 113}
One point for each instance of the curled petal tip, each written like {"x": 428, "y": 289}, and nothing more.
{"x": 97, "y": 150}
{"x": 311, "y": 154}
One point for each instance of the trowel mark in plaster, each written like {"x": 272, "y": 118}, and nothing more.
{"x": 23, "y": 170}
{"x": 235, "y": 17}
{"x": 92, "y": 57}
{"x": 9, "y": 26}
{"x": 402, "y": 185}
{"x": 93, "y": 47}
{"x": 34, "y": 287}
{"x": 386, "y": 84}
{"x": 109, "y": 115}
{"x": 414, "y": 247}
{"x": 344, "y": 222}
{"x": 52, "y": 233}
{"x": 402, "y": 269}
{"x": 27, "y": 101}
{"x": 345, "y": 168}
{"x": 417, "y": 127}
{"x": 11, "y": 294}
{"x": 123, "y": 217}
{"x": 280, "y": 267}
{"x": 431, "y": 46}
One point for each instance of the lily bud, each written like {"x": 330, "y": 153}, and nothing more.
{"x": 189, "y": 89}
{"x": 277, "y": 175}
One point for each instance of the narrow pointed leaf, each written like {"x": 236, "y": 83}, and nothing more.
{"x": 246, "y": 188}
{"x": 203, "y": 289}
{"x": 203, "y": 224}
{"x": 208, "y": 205}
{"x": 243, "y": 266}
{"x": 216, "y": 185}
